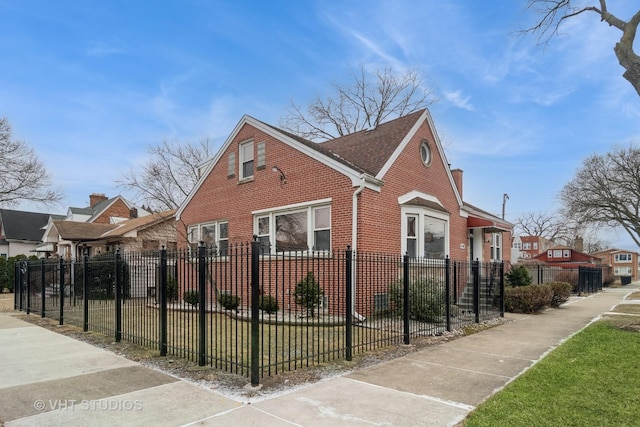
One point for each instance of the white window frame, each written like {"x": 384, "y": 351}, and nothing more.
{"x": 309, "y": 208}
{"x": 496, "y": 246}
{"x": 535, "y": 246}
{"x": 526, "y": 246}
{"x": 421, "y": 212}
{"x": 245, "y": 156}
{"x": 622, "y": 258}
{"x": 195, "y": 235}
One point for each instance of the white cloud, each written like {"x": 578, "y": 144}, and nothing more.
{"x": 458, "y": 100}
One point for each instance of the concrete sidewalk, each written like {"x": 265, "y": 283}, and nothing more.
{"x": 48, "y": 379}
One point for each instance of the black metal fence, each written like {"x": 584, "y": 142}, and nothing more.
{"x": 582, "y": 279}
{"x": 255, "y": 315}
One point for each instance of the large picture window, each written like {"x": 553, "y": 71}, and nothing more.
{"x": 622, "y": 257}
{"x": 298, "y": 229}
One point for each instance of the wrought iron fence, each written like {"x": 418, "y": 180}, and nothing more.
{"x": 257, "y": 314}
{"x": 582, "y": 279}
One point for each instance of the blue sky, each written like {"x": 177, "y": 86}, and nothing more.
{"x": 90, "y": 85}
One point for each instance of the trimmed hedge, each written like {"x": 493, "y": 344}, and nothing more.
{"x": 528, "y": 299}
{"x": 427, "y": 299}
{"x": 561, "y": 293}
{"x": 268, "y": 304}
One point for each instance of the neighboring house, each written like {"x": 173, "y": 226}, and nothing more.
{"x": 20, "y": 232}
{"x": 388, "y": 189}
{"x": 104, "y": 210}
{"x": 568, "y": 257}
{"x": 623, "y": 263}
{"x": 72, "y": 238}
{"x": 532, "y": 246}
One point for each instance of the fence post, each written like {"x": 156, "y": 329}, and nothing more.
{"x": 349, "y": 304}
{"x": 28, "y": 288}
{"x": 85, "y": 290}
{"x": 61, "y": 292}
{"x": 447, "y": 307}
{"x": 405, "y": 298}
{"x": 16, "y": 285}
{"x": 202, "y": 304}
{"x": 42, "y": 291}
{"x": 118, "y": 296}
{"x": 163, "y": 302}
{"x": 255, "y": 312}
{"x": 502, "y": 289}
{"x": 476, "y": 289}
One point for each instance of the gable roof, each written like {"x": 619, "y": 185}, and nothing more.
{"x": 345, "y": 154}
{"x": 21, "y": 225}
{"x": 380, "y": 143}
{"x": 73, "y": 230}
{"x": 140, "y": 223}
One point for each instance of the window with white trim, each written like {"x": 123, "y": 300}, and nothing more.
{"x": 619, "y": 271}
{"x": 526, "y": 246}
{"x": 622, "y": 257}
{"x": 215, "y": 236}
{"x": 246, "y": 160}
{"x": 535, "y": 246}
{"x": 424, "y": 232}
{"x": 296, "y": 229}
{"x": 496, "y": 246}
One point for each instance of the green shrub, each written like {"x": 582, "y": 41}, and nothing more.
{"x": 427, "y": 299}
{"x": 268, "y": 304}
{"x": 172, "y": 289}
{"x": 229, "y": 301}
{"x": 4, "y": 275}
{"x": 191, "y": 297}
{"x": 561, "y": 293}
{"x": 527, "y": 299}
{"x": 308, "y": 293}
{"x": 518, "y": 276}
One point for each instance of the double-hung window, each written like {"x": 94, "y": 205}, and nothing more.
{"x": 215, "y": 236}
{"x": 496, "y": 246}
{"x": 295, "y": 228}
{"x": 246, "y": 160}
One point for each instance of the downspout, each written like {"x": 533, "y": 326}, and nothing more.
{"x": 354, "y": 246}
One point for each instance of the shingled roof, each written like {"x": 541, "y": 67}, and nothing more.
{"x": 370, "y": 149}
{"x": 73, "y": 230}
{"x": 25, "y": 226}
{"x": 367, "y": 150}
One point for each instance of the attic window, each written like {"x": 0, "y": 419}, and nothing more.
{"x": 425, "y": 152}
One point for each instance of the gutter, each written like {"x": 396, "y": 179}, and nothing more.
{"x": 354, "y": 246}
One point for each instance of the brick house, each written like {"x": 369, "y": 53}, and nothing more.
{"x": 386, "y": 190}
{"x": 567, "y": 257}
{"x": 105, "y": 224}
{"x": 623, "y": 263}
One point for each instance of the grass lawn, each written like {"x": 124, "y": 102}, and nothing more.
{"x": 591, "y": 380}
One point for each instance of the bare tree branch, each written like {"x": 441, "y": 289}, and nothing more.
{"x": 554, "y": 12}
{"x": 23, "y": 177}
{"x": 606, "y": 191}
{"x": 167, "y": 178}
{"x": 363, "y": 104}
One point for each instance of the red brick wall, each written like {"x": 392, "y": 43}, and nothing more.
{"x": 118, "y": 208}
{"x": 223, "y": 198}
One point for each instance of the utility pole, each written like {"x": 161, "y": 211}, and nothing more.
{"x": 505, "y": 197}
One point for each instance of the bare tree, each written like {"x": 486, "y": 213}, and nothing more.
{"x": 371, "y": 99}
{"x": 23, "y": 177}
{"x": 560, "y": 229}
{"x": 606, "y": 191}
{"x": 167, "y": 178}
{"x": 541, "y": 224}
{"x": 554, "y": 12}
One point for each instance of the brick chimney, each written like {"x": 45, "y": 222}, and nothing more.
{"x": 578, "y": 244}
{"x": 133, "y": 213}
{"x": 96, "y": 198}
{"x": 457, "y": 178}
